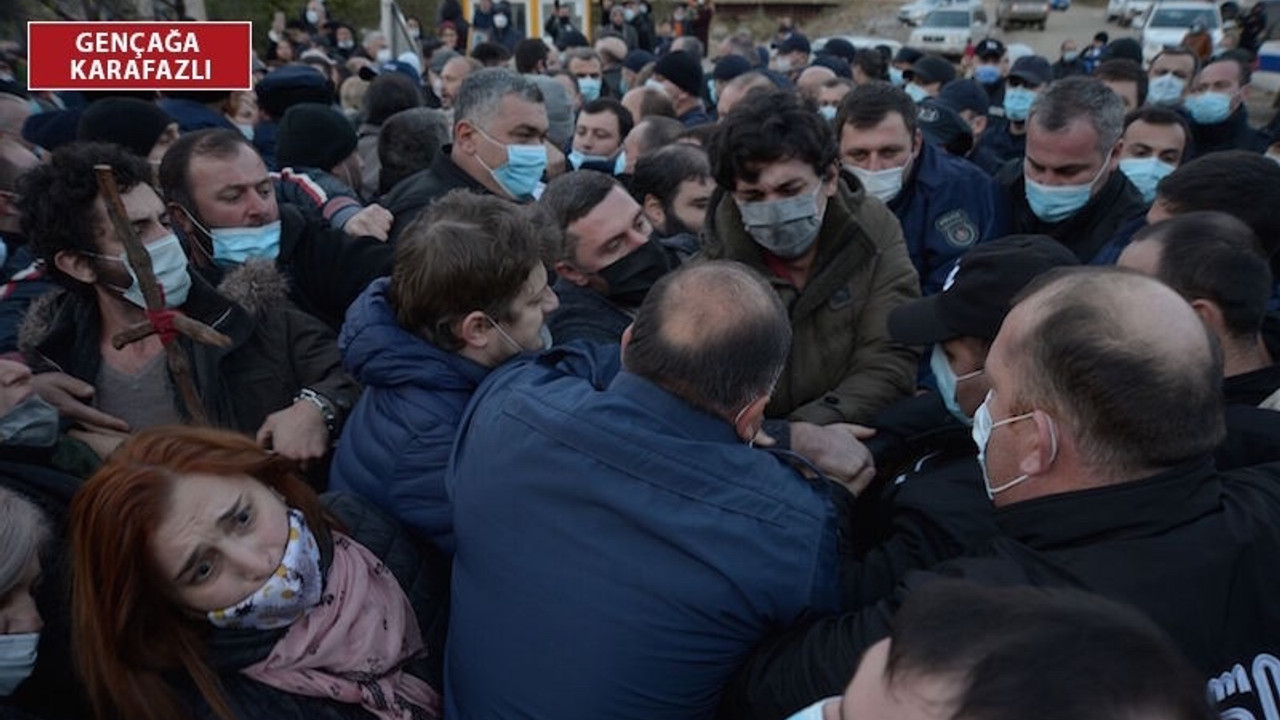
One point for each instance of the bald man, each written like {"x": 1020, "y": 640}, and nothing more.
{"x": 621, "y": 545}
{"x": 810, "y": 82}
{"x": 738, "y": 88}
{"x": 1096, "y": 440}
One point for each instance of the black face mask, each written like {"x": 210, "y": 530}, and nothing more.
{"x": 631, "y": 277}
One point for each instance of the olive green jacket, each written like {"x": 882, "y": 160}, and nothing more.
{"x": 842, "y": 366}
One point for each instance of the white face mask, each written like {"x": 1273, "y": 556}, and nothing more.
{"x": 17, "y": 660}
{"x": 289, "y": 593}
{"x": 982, "y": 428}
{"x": 884, "y": 185}
{"x": 812, "y": 712}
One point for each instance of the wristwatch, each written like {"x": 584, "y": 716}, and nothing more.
{"x": 322, "y": 403}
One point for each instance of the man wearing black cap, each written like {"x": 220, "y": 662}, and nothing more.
{"x": 901, "y": 63}
{"x": 280, "y": 90}
{"x": 793, "y": 55}
{"x": 726, "y": 69}
{"x": 138, "y": 125}
{"x": 987, "y": 69}
{"x": 1069, "y": 186}
{"x": 1006, "y": 138}
{"x": 681, "y": 76}
{"x": 927, "y": 76}
{"x": 632, "y": 65}
{"x": 967, "y": 100}
{"x": 945, "y": 205}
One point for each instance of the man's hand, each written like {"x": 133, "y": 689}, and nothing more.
{"x": 557, "y": 163}
{"x": 297, "y": 432}
{"x": 836, "y": 450}
{"x": 373, "y": 221}
{"x": 102, "y": 442}
{"x": 70, "y": 396}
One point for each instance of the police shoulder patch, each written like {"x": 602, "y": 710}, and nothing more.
{"x": 956, "y": 226}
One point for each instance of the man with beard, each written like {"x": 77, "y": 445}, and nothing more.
{"x": 674, "y": 186}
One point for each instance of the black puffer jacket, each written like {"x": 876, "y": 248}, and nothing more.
{"x": 422, "y": 574}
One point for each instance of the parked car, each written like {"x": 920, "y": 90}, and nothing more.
{"x": 950, "y": 30}
{"x": 1115, "y": 10}
{"x": 1029, "y": 13}
{"x": 914, "y": 13}
{"x": 860, "y": 42}
{"x": 1062, "y": 5}
{"x": 1169, "y": 22}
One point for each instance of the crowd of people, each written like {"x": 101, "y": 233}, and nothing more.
{"x": 654, "y": 376}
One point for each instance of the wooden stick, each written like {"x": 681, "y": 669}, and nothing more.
{"x": 140, "y": 261}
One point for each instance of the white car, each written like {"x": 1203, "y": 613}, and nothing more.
{"x": 950, "y": 30}
{"x": 914, "y": 13}
{"x": 1115, "y": 9}
{"x": 1168, "y": 22}
{"x": 860, "y": 42}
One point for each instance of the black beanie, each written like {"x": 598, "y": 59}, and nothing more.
{"x": 313, "y": 135}
{"x": 682, "y": 69}
{"x": 135, "y": 124}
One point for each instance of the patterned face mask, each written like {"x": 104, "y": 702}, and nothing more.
{"x": 292, "y": 590}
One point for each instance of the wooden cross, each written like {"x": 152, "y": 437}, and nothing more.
{"x": 140, "y": 260}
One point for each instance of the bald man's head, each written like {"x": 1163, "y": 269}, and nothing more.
{"x": 1121, "y": 361}
{"x": 714, "y": 334}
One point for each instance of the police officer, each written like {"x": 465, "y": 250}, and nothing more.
{"x": 945, "y": 204}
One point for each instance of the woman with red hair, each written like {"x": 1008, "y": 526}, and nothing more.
{"x": 210, "y": 581}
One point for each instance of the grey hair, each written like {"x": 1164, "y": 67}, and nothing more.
{"x": 581, "y": 53}
{"x": 482, "y": 92}
{"x": 1069, "y": 99}
{"x": 691, "y": 45}
{"x": 23, "y": 531}
{"x": 744, "y": 44}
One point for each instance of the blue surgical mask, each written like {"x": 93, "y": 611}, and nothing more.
{"x": 603, "y": 163}
{"x": 711, "y": 91}
{"x": 589, "y": 87}
{"x": 987, "y": 74}
{"x": 812, "y": 712}
{"x": 236, "y": 245}
{"x": 1054, "y": 203}
{"x": 18, "y": 653}
{"x": 31, "y": 423}
{"x": 1166, "y": 90}
{"x": 168, "y": 263}
{"x": 520, "y": 174}
{"x": 1070, "y": 56}
{"x": 1017, "y": 103}
{"x": 788, "y": 227}
{"x": 828, "y": 112}
{"x": 948, "y": 381}
{"x": 1208, "y": 108}
{"x": 896, "y": 78}
{"x": 982, "y": 427}
{"x": 1145, "y": 174}
{"x": 916, "y": 92}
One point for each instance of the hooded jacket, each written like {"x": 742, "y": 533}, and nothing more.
{"x": 842, "y": 366}
{"x": 397, "y": 448}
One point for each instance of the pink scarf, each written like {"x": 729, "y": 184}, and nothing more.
{"x": 351, "y": 646}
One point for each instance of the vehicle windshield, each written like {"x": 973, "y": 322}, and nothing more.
{"x": 1183, "y": 17}
{"x": 947, "y": 19}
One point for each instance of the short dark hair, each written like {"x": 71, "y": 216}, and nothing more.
{"x": 872, "y": 63}
{"x": 657, "y": 132}
{"x": 868, "y": 105}
{"x": 468, "y": 252}
{"x": 1180, "y": 51}
{"x": 571, "y": 197}
{"x": 1242, "y": 64}
{"x": 530, "y": 52}
{"x": 408, "y": 142}
{"x": 699, "y": 135}
{"x": 1132, "y": 408}
{"x": 655, "y": 103}
{"x": 57, "y": 198}
{"x": 1124, "y": 70}
{"x": 388, "y": 94}
{"x": 1086, "y": 656}
{"x": 490, "y": 54}
{"x": 767, "y": 127}
{"x": 712, "y": 333}
{"x": 1214, "y": 256}
{"x": 1160, "y": 115}
{"x": 175, "y": 168}
{"x": 1237, "y": 182}
{"x": 609, "y": 105}
{"x": 660, "y": 173}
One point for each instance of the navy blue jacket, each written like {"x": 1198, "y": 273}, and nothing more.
{"x": 397, "y": 440}
{"x": 945, "y": 208}
{"x": 618, "y": 552}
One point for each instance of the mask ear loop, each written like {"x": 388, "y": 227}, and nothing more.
{"x": 199, "y": 226}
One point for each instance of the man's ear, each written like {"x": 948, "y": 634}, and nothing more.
{"x": 1038, "y": 444}
{"x": 464, "y": 137}
{"x": 1211, "y": 315}
{"x": 653, "y": 210}
{"x": 751, "y": 418}
{"x": 179, "y": 218}
{"x": 570, "y": 273}
{"x": 76, "y": 266}
{"x": 831, "y": 180}
{"x": 473, "y": 329}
